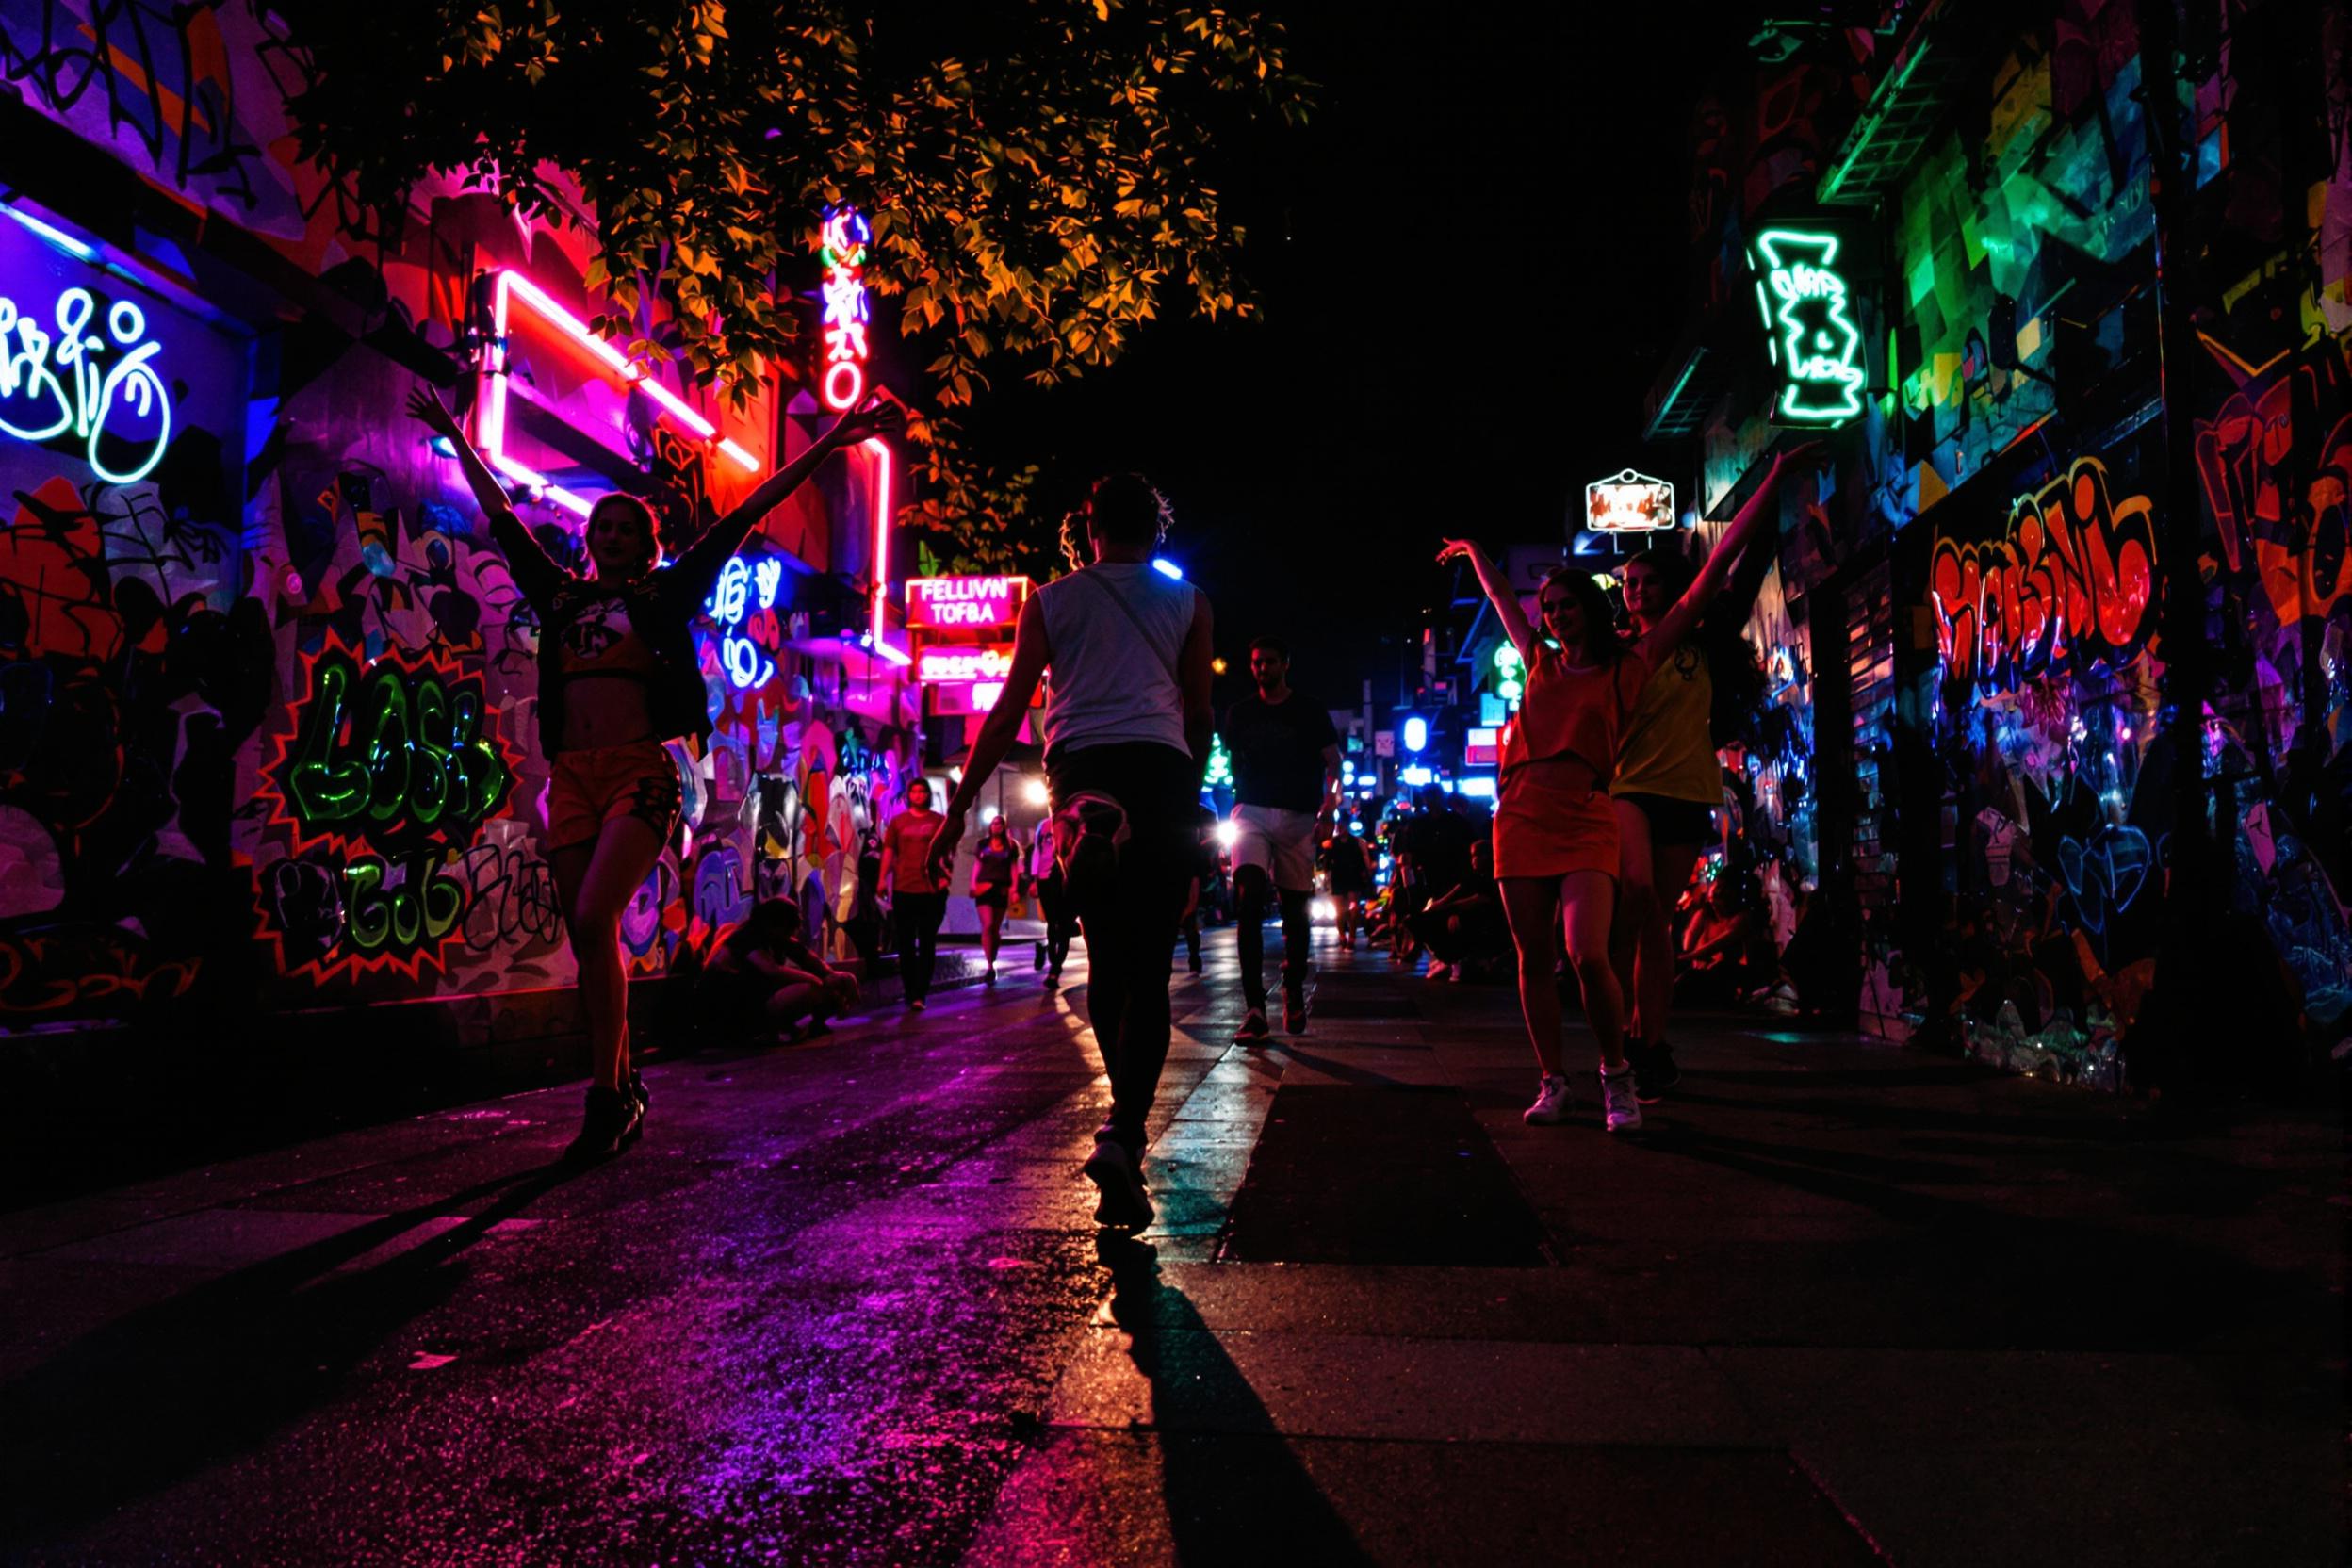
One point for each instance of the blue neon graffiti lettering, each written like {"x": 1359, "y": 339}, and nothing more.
{"x": 60, "y": 378}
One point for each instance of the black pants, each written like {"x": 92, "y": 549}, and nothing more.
{"x": 1131, "y": 928}
{"x": 1054, "y": 905}
{"x": 917, "y": 916}
{"x": 1252, "y": 883}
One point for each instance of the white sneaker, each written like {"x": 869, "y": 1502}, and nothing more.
{"x": 1437, "y": 970}
{"x": 1551, "y": 1103}
{"x": 1621, "y": 1104}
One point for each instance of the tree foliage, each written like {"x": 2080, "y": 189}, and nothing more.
{"x": 1036, "y": 171}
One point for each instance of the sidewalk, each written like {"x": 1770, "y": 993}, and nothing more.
{"x": 1842, "y": 1303}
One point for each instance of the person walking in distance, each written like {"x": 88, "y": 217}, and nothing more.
{"x": 1046, "y": 887}
{"x": 918, "y": 897}
{"x": 1126, "y": 742}
{"x": 1286, "y": 783}
{"x": 1668, "y": 782}
{"x": 993, "y": 862}
{"x": 1555, "y": 828}
{"x": 617, "y": 682}
{"x": 1348, "y": 865}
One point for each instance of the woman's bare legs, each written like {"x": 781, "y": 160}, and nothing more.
{"x": 1637, "y": 905}
{"x": 1588, "y": 897}
{"x": 597, "y": 882}
{"x": 1654, "y": 965}
{"x": 992, "y": 925}
{"x": 1531, "y": 903}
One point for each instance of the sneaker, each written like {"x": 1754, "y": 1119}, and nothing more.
{"x": 1654, "y": 1071}
{"x": 611, "y": 1116}
{"x": 1551, "y": 1103}
{"x": 1253, "y": 1028}
{"x": 1294, "y": 1001}
{"x": 1621, "y": 1107}
{"x": 991, "y": 979}
{"x": 1115, "y": 1170}
{"x": 1194, "y": 963}
{"x": 917, "y": 1004}
{"x": 1053, "y": 981}
{"x": 1437, "y": 970}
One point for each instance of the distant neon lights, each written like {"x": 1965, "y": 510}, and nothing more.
{"x": 965, "y": 603}
{"x": 1629, "y": 503}
{"x": 37, "y": 371}
{"x": 509, "y": 289}
{"x": 846, "y": 307}
{"x": 1808, "y": 329}
{"x": 1417, "y": 734}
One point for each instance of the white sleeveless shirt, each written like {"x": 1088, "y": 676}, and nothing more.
{"x": 1114, "y": 681}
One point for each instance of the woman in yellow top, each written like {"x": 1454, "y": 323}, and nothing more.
{"x": 1555, "y": 829}
{"x": 1667, "y": 788}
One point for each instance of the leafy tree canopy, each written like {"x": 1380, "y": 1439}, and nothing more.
{"x": 1037, "y": 171}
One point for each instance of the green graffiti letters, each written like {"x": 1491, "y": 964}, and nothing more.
{"x": 393, "y": 755}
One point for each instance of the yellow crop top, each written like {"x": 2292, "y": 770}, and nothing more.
{"x": 1668, "y": 749}
{"x": 1572, "y": 710}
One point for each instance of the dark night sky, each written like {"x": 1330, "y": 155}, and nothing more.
{"x": 1471, "y": 260}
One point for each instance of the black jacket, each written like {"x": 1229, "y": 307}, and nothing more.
{"x": 662, "y": 606}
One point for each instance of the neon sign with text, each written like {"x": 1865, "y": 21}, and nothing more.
{"x": 846, "y": 306}
{"x": 740, "y": 584}
{"x": 1629, "y": 503}
{"x": 1808, "y": 327}
{"x": 51, "y": 386}
{"x": 965, "y": 603}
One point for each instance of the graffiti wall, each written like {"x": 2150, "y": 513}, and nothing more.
{"x": 268, "y": 728}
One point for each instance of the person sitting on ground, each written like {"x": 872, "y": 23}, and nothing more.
{"x": 1464, "y": 925}
{"x": 764, "y": 984}
{"x": 1730, "y": 952}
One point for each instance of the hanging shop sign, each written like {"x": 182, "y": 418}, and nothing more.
{"x": 965, "y": 603}
{"x": 846, "y": 307}
{"x": 1808, "y": 327}
{"x": 1629, "y": 503}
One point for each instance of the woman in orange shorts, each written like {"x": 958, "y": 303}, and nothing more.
{"x": 1555, "y": 830}
{"x": 617, "y": 681}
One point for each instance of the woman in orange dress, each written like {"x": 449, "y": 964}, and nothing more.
{"x": 1555, "y": 829}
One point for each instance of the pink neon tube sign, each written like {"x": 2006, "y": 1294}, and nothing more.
{"x": 509, "y": 289}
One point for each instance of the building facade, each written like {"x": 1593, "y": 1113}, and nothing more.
{"x": 269, "y": 736}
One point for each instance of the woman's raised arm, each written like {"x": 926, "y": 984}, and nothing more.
{"x": 534, "y": 571}
{"x": 1498, "y": 594}
{"x": 698, "y": 570}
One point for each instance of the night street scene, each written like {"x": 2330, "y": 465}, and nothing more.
{"x": 1098, "y": 782}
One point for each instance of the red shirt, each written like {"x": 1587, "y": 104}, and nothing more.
{"x": 908, "y": 837}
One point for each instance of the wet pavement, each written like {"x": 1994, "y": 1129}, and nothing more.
{"x": 845, "y": 1303}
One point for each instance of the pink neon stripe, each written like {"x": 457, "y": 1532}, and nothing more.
{"x": 881, "y": 455}
{"x": 741, "y": 456}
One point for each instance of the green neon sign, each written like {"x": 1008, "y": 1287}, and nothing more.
{"x": 1808, "y": 329}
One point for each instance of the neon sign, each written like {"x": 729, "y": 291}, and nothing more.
{"x": 961, "y": 666}
{"x": 1629, "y": 503}
{"x": 846, "y": 307}
{"x": 509, "y": 289}
{"x": 965, "y": 603}
{"x": 1807, "y": 328}
{"x": 741, "y": 583}
{"x": 36, "y": 369}
{"x": 392, "y": 755}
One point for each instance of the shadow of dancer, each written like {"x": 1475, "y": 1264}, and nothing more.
{"x": 1234, "y": 1491}
{"x": 157, "y": 1395}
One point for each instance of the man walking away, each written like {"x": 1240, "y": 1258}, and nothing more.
{"x": 1285, "y": 781}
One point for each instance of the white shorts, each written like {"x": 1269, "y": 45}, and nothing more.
{"x": 1280, "y": 841}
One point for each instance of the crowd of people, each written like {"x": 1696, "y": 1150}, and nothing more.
{"x": 1608, "y": 781}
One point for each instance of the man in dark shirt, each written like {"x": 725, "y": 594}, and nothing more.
{"x": 1285, "y": 779}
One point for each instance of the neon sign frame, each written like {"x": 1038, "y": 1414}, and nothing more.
{"x": 845, "y": 309}
{"x": 1628, "y": 503}
{"x": 508, "y": 288}
{"x": 960, "y": 603}
{"x": 28, "y": 366}
{"x": 1822, "y": 361}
